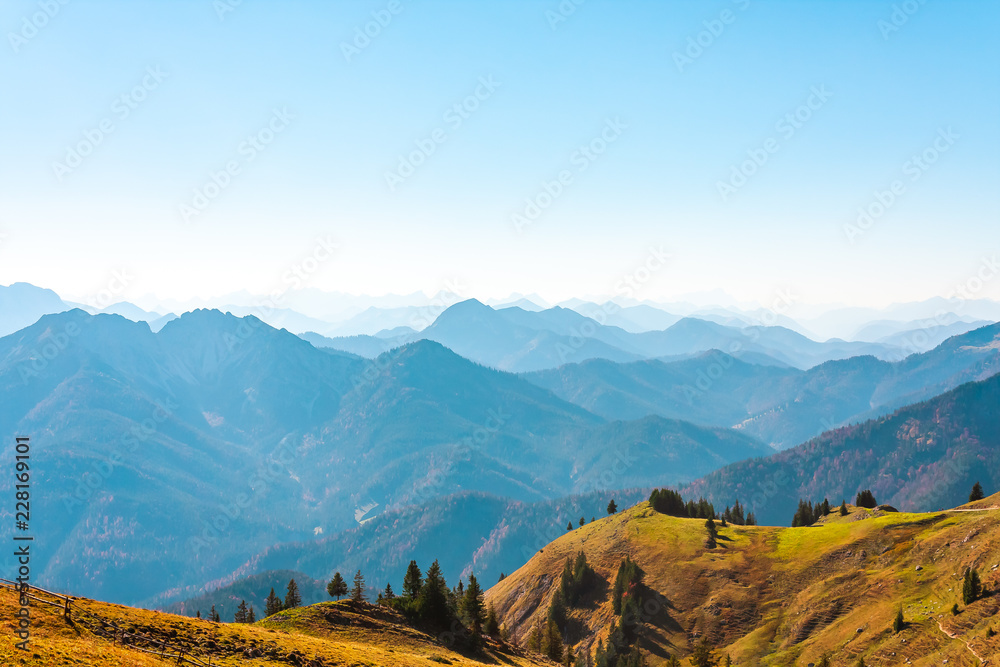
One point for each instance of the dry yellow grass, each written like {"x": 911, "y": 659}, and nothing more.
{"x": 784, "y": 596}
{"x": 327, "y": 633}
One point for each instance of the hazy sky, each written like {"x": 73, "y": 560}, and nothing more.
{"x": 116, "y": 115}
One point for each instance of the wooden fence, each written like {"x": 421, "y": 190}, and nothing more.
{"x": 107, "y": 629}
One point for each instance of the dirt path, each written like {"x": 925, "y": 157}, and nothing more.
{"x": 951, "y": 636}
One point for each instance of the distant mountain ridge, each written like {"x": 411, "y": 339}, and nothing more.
{"x": 779, "y": 406}
{"x": 148, "y": 439}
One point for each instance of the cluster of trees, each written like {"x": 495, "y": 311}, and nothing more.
{"x": 807, "y": 514}
{"x": 866, "y": 499}
{"x": 426, "y": 599}
{"x": 670, "y": 502}
{"x": 274, "y": 604}
{"x": 244, "y": 614}
{"x": 576, "y": 580}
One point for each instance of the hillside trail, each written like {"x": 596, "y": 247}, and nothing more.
{"x": 981, "y": 660}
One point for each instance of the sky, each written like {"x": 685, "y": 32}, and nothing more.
{"x": 582, "y": 147}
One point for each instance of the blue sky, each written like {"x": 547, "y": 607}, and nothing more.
{"x": 555, "y": 87}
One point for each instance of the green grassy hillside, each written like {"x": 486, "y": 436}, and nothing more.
{"x": 780, "y": 596}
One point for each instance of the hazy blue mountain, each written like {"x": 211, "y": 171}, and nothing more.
{"x": 779, "y": 406}
{"x": 21, "y": 304}
{"x": 469, "y": 532}
{"x": 923, "y": 457}
{"x": 518, "y": 340}
{"x": 181, "y": 450}
{"x": 922, "y": 338}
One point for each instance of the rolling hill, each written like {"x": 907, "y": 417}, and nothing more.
{"x": 775, "y": 596}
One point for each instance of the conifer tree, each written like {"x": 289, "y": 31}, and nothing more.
{"x": 241, "y": 612}
{"x": 843, "y": 508}
{"x": 432, "y": 603}
{"x": 898, "y": 624}
{"x": 569, "y": 526}
{"x": 214, "y": 615}
{"x": 337, "y": 588}
{"x": 972, "y": 588}
{"x": 388, "y": 593}
{"x": 866, "y": 499}
{"x": 197, "y": 614}
{"x": 492, "y": 625}
{"x": 977, "y": 493}
{"x": 552, "y": 641}
{"x": 293, "y": 598}
{"x": 535, "y": 639}
{"x": 412, "y": 581}
{"x": 582, "y": 521}
{"x": 702, "y": 656}
{"x": 358, "y": 591}
{"x": 251, "y": 615}
{"x": 273, "y": 604}
{"x": 473, "y": 607}
{"x": 612, "y": 507}
{"x": 824, "y": 661}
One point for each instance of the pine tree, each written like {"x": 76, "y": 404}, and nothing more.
{"x": 824, "y": 661}
{"x": 612, "y": 508}
{"x": 473, "y": 608}
{"x": 729, "y": 661}
{"x": 502, "y": 577}
{"x": 843, "y": 508}
{"x": 977, "y": 493}
{"x": 702, "y": 656}
{"x": 337, "y": 588}
{"x": 292, "y": 597}
{"x": 898, "y": 624}
{"x": 860, "y": 662}
{"x": 535, "y": 639}
{"x": 432, "y": 603}
{"x": 569, "y": 526}
{"x": 241, "y": 612}
{"x": 251, "y": 615}
{"x": 197, "y": 614}
{"x": 582, "y": 521}
{"x": 552, "y": 642}
{"x": 412, "y": 581}
{"x": 388, "y": 593}
{"x": 273, "y": 604}
{"x": 972, "y": 587}
{"x": 214, "y": 615}
{"x": 492, "y": 624}
{"x": 358, "y": 591}
{"x": 557, "y": 609}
